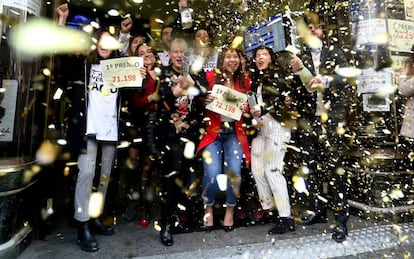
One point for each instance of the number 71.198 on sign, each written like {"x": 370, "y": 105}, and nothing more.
{"x": 124, "y": 78}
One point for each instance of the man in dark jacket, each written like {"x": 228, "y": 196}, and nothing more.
{"x": 174, "y": 123}
{"x": 326, "y": 138}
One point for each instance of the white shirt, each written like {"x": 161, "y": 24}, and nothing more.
{"x": 164, "y": 57}
{"x": 102, "y": 114}
{"x": 208, "y": 65}
{"x": 124, "y": 40}
{"x": 316, "y": 58}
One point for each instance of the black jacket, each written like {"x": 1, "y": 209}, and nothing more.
{"x": 339, "y": 90}
{"x": 167, "y": 109}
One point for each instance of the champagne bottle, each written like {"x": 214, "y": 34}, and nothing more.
{"x": 186, "y": 18}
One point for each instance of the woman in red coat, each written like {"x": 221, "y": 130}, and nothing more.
{"x": 224, "y": 145}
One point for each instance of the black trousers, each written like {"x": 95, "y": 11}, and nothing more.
{"x": 321, "y": 151}
{"x": 172, "y": 180}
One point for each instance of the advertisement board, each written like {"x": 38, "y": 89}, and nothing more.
{"x": 270, "y": 33}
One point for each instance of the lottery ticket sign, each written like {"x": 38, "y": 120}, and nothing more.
{"x": 227, "y": 101}
{"x": 270, "y": 33}
{"x": 401, "y": 34}
{"x": 122, "y": 72}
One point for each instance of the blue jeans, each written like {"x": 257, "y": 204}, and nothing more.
{"x": 226, "y": 147}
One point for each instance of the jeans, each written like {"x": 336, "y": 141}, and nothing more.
{"x": 224, "y": 155}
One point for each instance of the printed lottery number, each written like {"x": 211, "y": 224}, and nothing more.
{"x": 125, "y": 78}
{"x": 225, "y": 107}
{"x": 403, "y": 34}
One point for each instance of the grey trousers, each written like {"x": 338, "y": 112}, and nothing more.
{"x": 87, "y": 166}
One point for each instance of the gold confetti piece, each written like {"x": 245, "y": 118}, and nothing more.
{"x": 299, "y": 184}
{"x": 49, "y": 37}
{"x": 95, "y": 204}
{"x": 237, "y": 41}
{"x": 403, "y": 238}
{"x": 105, "y": 91}
{"x": 157, "y": 226}
{"x": 189, "y": 150}
{"x": 66, "y": 171}
{"x": 396, "y": 194}
{"x": 192, "y": 187}
{"x": 396, "y": 228}
{"x": 324, "y": 117}
{"x": 47, "y": 153}
{"x": 179, "y": 183}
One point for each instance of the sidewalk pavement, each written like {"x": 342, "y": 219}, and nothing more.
{"x": 366, "y": 240}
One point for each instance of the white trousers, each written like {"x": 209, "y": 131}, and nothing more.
{"x": 87, "y": 167}
{"x": 267, "y": 154}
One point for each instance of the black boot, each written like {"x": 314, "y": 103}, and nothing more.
{"x": 165, "y": 234}
{"x": 340, "y": 232}
{"x": 97, "y": 227}
{"x": 341, "y": 215}
{"x": 283, "y": 226}
{"x": 86, "y": 240}
{"x": 130, "y": 210}
{"x": 319, "y": 217}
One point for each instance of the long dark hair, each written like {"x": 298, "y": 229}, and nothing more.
{"x": 209, "y": 32}
{"x": 272, "y": 64}
{"x": 157, "y": 59}
{"x": 93, "y": 57}
{"x": 129, "y": 52}
{"x": 268, "y": 75}
{"x": 237, "y": 75}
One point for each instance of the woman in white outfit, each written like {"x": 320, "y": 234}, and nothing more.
{"x": 272, "y": 88}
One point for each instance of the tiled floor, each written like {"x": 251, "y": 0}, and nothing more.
{"x": 366, "y": 240}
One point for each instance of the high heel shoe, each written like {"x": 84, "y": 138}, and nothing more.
{"x": 208, "y": 219}
{"x": 229, "y": 217}
{"x": 207, "y": 228}
{"x": 143, "y": 220}
{"x": 228, "y": 228}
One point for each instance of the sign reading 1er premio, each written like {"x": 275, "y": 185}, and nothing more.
{"x": 122, "y": 72}
{"x": 226, "y": 102}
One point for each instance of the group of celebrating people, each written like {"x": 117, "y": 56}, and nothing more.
{"x": 208, "y": 112}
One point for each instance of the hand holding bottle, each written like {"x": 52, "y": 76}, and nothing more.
{"x": 185, "y": 13}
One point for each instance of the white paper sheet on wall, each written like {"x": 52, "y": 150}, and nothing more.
{"x": 8, "y": 103}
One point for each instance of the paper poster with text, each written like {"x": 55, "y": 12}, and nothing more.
{"x": 370, "y": 81}
{"x": 31, "y": 6}
{"x": 8, "y": 110}
{"x": 122, "y": 72}
{"x": 401, "y": 34}
{"x": 409, "y": 9}
{"x": 370, "y": 31}
{"x": 227, "y": 101}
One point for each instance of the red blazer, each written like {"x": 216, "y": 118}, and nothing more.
{"x": 140, "y": 99}
{"x": 213, "y": 125}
